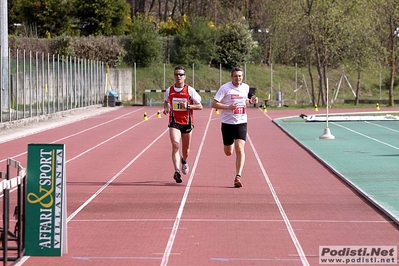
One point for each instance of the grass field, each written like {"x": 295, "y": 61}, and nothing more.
{"x": 293, "y": 82}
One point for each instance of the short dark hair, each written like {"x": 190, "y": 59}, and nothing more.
{"x": 234, "y": 69}
{"x": 180, "y": 68}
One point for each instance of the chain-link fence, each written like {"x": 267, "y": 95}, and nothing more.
{"x": 40, "y": 84}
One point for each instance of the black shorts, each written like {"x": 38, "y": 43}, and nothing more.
{"x": 183, "y": 128}
{"x": 233, "y": 132}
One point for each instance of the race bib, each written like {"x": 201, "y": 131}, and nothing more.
{"x": 179, "y": 104}
{"x": 240, "y": 110}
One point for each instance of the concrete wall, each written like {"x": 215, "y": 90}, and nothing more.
{"x": 121, "y": 82}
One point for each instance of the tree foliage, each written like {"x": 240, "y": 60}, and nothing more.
{"x": 195, "y": 42}
{"x": 45, "y": 18}
{"x": 387, "y": 31}
{"x": 143, "y": 45}
{"x": 322, "y": 34}
{"x": 329, "y": 27}
{"x": 102, "y": 17}
{"x": 235, "y": 44}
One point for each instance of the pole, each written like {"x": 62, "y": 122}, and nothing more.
{"x": 135, "y": 88}
{"x": 271, "y": 80}
{"x": 220, "y": 74}
{"x": 164, "y": 76}
{"x": 296, "y": 83}
{"x": 4, "y": 55}
{"x": 245, "y": 72}
{"x": 327, "y": 104}
{"x": 193, "y": 76}
{"x": 380, "y": 82}
{"x": 327, "y": 133}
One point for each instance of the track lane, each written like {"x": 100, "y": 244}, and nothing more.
{"x": 223, "y": 224}
{"x": 323, "y": 210}
{"x": 131, "y": 220}
{"x": 16, "y": 149}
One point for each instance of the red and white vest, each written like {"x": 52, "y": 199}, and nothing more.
{"x": 178, "y": 102}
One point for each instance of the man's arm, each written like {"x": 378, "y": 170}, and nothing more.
{"x": 195, "y": 106}
{"x": 253, "y": 100}
{"x": 220, "y": 106}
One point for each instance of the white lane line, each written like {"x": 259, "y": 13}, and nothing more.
{"x": 274, "y": 259}
{"x": 366, "y": 136}
{"x": 265, "y": 114}
{"x": 377, "y": 125}
{"x": 140, "y": 220}
{"x": 25, "y": 258}
{"x": 88, "y": 149}
{"x": 114, "y": 258}
{"x": 280, "y": 207}
{"x": 173, "y": 233}
{"x": 107, "y": 140}
{"x": 72, "y": 135}
{"x": 114, "y": 177}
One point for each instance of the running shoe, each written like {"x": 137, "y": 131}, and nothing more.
{"x": 177, "y": 176}
{"x": 237, "y": 181}
{"x": 184, "y": 166}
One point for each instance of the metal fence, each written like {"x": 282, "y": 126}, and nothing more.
{"x": 12, "y": 228}
{"x": 35, "y": 84}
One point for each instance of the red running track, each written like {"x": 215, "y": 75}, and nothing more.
{"x": 124, "y": 207}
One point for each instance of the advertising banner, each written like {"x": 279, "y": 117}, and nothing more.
{"x": 45, "y": 220}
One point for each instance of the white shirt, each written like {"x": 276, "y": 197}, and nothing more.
{"x": 230, "y": 94}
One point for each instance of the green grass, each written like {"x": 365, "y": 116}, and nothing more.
{"x": 283, "y": 79}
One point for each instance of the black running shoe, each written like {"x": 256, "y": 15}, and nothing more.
{"x": 237, "y": 181}
{"x": 177, "y": 177}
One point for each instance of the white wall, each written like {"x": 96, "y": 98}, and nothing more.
{"x": 121, "y": 82}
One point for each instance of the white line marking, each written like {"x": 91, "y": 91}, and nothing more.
{"x": 25, "y": 258}
{"x": 280, "y": 207}
{"x": 105, "y": 141}
{"x": 114, "y": 177}
{"x": 72, "y": 135}
{"x": 184, "y": 199}
{"x": 82, "y": 132}
{"x": 377, "y": 125}
{"x": 140, "y": 220}
{"x": 265, "y": 114}
{"x": 253, "y": 259}
{"x": 376, "y": 140}
{"x": 116, "y": 258}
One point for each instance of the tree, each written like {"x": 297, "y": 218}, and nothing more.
{"x": 328, "y": 23}
{"x": 143, "y": 45}
{"x": 49, "y": 17}
{"x": 13, "y": 18}
{"x": 103, "y": 17}
{"x": 195, "y": 43}
{"x": 263, "y": 27}
{"x": 235, "y": 44}
{"x": 360, "y": 47}
{"x": 388, "y": 32}
{"x": 168, "y": 29}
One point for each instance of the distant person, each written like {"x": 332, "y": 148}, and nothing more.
{"x": 180, "y": 101}
{"x": 231, "y": 99}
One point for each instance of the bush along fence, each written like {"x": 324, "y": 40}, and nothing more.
{"x": 35, "y": 84}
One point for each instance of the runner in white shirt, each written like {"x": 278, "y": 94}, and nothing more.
{"x": 232, "y": 99}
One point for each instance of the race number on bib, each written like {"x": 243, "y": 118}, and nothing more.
{"x": 240, "y": 110}
{"x": 179, "y": 104}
